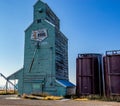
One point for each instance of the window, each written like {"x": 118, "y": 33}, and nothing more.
{"x": 40, "y": 10}
{"x": 39, "y": 21}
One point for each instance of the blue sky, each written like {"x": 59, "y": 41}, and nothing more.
{"x": 92, "y": 26}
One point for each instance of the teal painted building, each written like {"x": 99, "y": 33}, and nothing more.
{"x": 45, "y": 67}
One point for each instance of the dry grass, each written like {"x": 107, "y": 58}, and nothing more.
{"x": 53, "y": 98}
{"x": 112, "y": 98}
{"x": 81, "y": 99}
{"x": 41, "y": 97}
{"x": 97, "y": 97}
{"x": 9, "y": 92}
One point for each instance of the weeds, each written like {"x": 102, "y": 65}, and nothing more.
{"x": 97, "y": 97}
{"x": 9, "y": 92}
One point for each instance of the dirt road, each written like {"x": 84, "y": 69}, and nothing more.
{"x": 14, "y": 101}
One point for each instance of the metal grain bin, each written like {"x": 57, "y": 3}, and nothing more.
{"x": 112, "y": 72}
{"x": 89, "y": 74}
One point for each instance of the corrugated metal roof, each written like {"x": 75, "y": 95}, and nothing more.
{"x": 65, "y": 83}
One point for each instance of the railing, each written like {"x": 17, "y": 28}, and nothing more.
{"x": 8, "y": 81}
{"x": 113, "y": 52}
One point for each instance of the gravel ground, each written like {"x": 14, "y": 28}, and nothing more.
{"x": 14, "y": 101}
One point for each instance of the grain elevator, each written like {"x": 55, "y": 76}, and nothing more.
{"x": 45, "y": 68}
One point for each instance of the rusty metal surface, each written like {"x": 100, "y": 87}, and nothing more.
{"x": 112, "y": 73}
{"x": 88, "y": 74}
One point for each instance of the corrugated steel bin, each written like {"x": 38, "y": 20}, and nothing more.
{"x": 112, "y": 73}
{"x": 89, "y": 74}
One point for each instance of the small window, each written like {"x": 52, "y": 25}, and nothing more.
{"x": 36, "y": 86}
{"x": 39, "y": 21}
{"x": 40, "y": 10}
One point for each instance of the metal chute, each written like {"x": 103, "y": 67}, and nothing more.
{"x": 35, "y": 51}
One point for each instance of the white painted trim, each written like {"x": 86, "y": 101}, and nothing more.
{"x": 49, "y": 22}
{"x": 60, "y": 83}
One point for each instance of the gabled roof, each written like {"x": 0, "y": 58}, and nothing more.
{"x": 65, "y": 83}
{"x": 15, "y": 75}
{"x": 38, "y": 2}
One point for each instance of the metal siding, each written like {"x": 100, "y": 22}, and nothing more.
{"x": 87, "y": 73}
{"x": 112, "y": 74}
